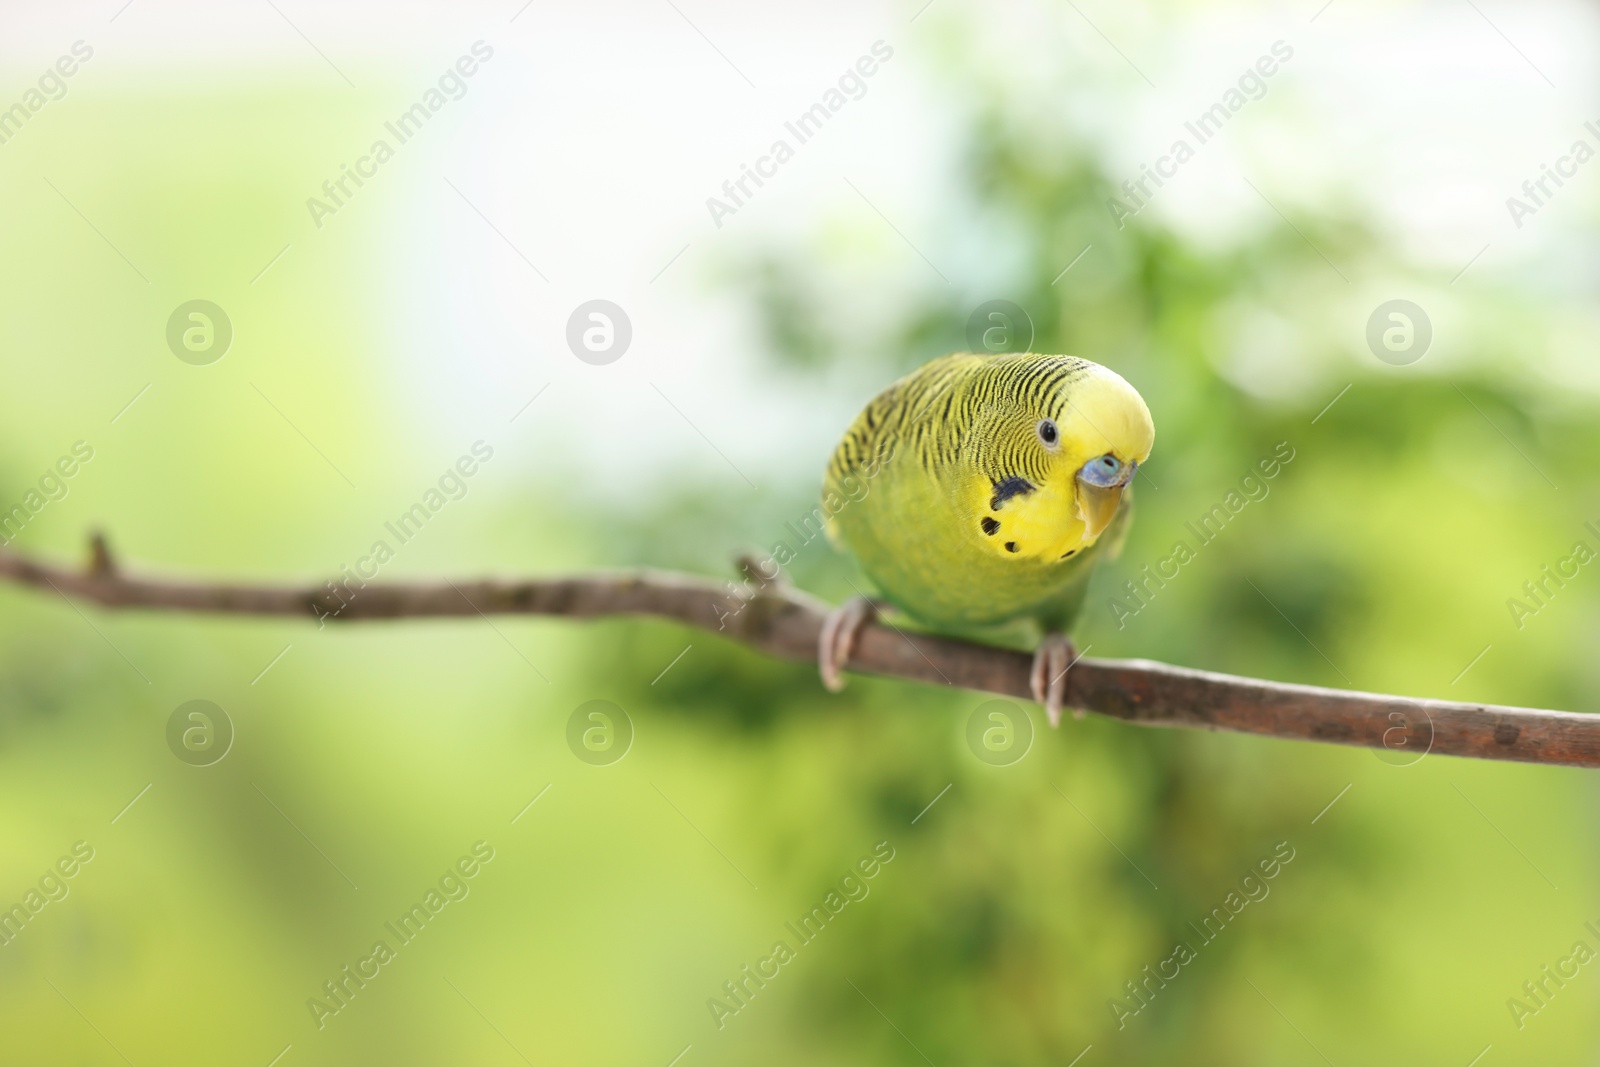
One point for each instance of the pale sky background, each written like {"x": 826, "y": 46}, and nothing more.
{"x": 593, "y": 138}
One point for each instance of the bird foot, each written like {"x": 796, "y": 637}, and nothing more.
{"x": 838, "y": 639}
{"x": 1051, "y": 662}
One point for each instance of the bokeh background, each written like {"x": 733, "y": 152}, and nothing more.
{"x": 430, "y": 312}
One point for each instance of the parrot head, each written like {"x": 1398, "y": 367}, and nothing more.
{"x": 1059, "y": 439}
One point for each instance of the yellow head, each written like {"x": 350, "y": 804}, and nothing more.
{"x": 1055, "y": 441}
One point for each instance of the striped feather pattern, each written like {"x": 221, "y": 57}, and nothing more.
{"x": 936, "y": 409}
{"x": 957, "y": 510}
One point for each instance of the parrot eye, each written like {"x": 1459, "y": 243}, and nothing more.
{"x": 1103, "y": 471}
{"x": 1048, "y": 434}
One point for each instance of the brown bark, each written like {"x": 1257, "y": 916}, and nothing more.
{"x": 784, "y": 622}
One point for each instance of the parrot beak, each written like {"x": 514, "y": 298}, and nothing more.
{"x": 1097, "y": 507}
{"x": 1100, "y": 494}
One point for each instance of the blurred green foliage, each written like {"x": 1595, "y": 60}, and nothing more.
{"x": 1017, "y": 906}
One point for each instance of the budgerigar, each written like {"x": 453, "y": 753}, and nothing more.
{"x": 982, "y": 490}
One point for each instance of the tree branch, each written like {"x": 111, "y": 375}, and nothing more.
{"x": 784, "y": 622}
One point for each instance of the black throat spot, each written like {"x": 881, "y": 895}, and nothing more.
{"x": 1010, "y": 487}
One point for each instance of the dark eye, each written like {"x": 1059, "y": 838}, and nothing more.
{"x": 1047, "y": 432}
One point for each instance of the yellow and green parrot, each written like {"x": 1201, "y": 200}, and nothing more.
{"x": 980, "y": 491}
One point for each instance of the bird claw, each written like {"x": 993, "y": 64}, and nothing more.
{"x": 1051, "y": 661}
{"x": 838, "y": 638}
